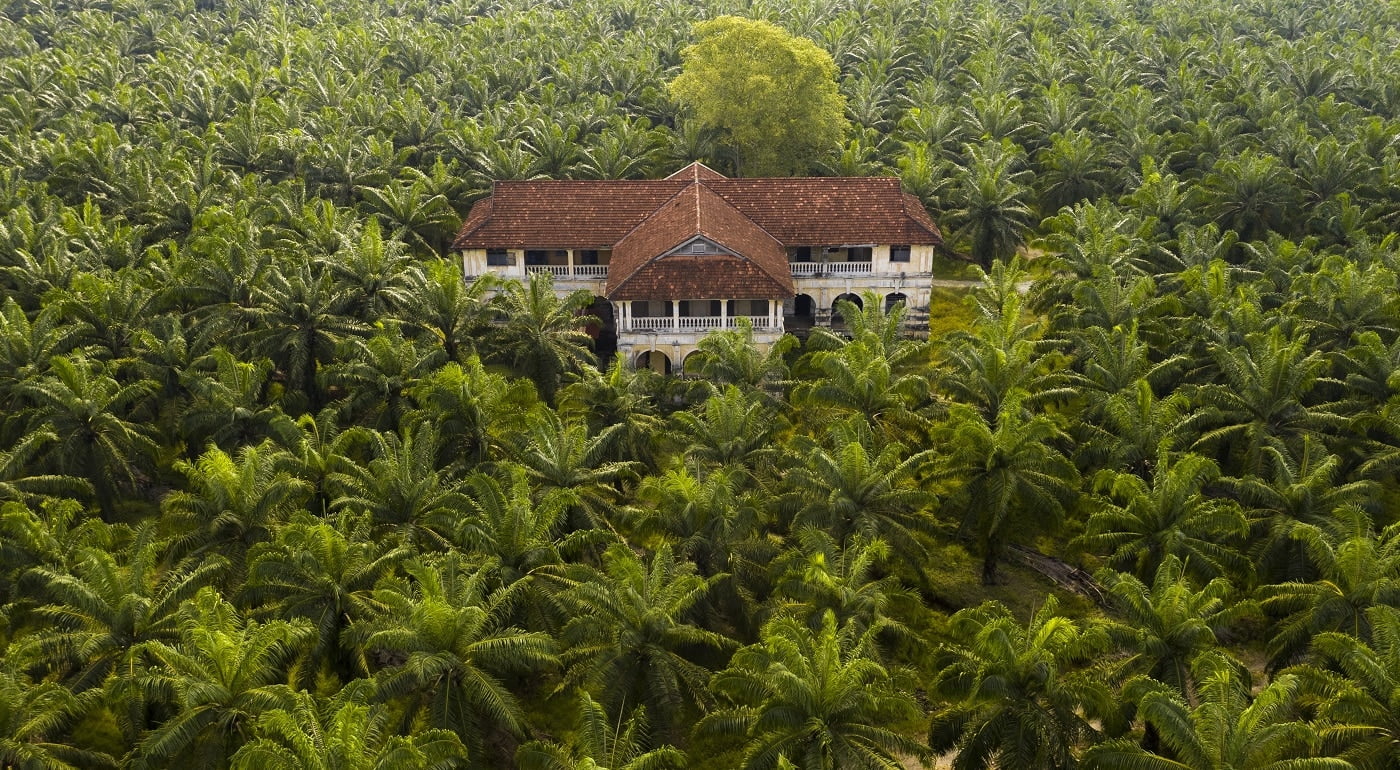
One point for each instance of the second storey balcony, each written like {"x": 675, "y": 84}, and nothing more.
{"x": 697, "y": 316}
{"x": 575, "y": 272}
{"x": 813, "y": 269}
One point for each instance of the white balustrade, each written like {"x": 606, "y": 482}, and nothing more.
{"x": 692, "y": 323}
{"x": 830, "y": 268}
{"x": 562, "y": 271}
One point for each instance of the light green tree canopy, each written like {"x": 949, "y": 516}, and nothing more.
{"x": 773, "y": 96}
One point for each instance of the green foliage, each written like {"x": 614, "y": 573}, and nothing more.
{"x": 772, "y": 96}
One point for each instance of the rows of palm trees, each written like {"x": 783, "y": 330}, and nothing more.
{"x": 278, "y": 487}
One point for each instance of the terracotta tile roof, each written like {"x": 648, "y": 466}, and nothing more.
{"x": 828, "y": 211}
{"x": 753, "y": 219}
{"x": 563, "y": 214}
{"x": 701, "y": 276}
{"x": 696, "y": 172}
{"x": 697, "y": 210}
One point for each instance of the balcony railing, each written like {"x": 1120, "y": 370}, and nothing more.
{"x": 693, "y": 323}
{"x": 803, "y": 269}
{"x": 563, "y": 271}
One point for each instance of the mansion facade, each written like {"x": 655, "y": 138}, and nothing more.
{"x": 674, "y": 259}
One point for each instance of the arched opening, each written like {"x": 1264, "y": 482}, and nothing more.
{"x": 836, "y": 319}
{"x": 894, "y": 300}
{"x": 654, "y": 360}
{"x": 804, "y": 312}
{"x": 690, "y": 365}
{"x": 604, "y": 332}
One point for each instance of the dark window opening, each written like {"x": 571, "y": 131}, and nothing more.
{"x": 899, "y": 253}
{"x": 498, "y": 257}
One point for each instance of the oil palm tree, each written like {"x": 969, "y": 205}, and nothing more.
{"x": 444, "y": 656}
{"x": 92, "y": 414}
{"x": 323, "y": 572}
{"x": 401, "y": 488}
{"x": 565, "y": 462}
{"x": 1139, "y": 524}
{"x": 35, "y": 717}
{"x": 1170, "y": 623}
{"x": 1227, "y": 730}
{"x": 1355, "y": 684}
{"x": 222, "y": 673}
{"x": 1010, "y": 478}
{"x": 809, "y": 700}
{"x": 542, "y": 336}
{"x": 1357, "y": 569}
{"x": 601, "y": 744}
{"x": 1017, "y": 695}
{"x": 342, "y": 733}
{"x": 632, "y": 641}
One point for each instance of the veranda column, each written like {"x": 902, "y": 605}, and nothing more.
{"x": 569, "y": 260}
{"x": 724, "y": 314}
{"x": 675, "y": 314}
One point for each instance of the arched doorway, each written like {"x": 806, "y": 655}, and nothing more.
{"x": 604, "y": 332}
{"x": 804, "y": 311}
{"x": 691, "y": 363}
{"x": 654, "y": 360}
{"x": 836, "y": 318}
{"x": 894, "y": 300}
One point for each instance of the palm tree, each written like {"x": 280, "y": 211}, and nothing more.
{"x": 233, "y": 503}
{"x": 542, "y": 335}
{"x": 34, "y": 719}
{"x": 1228, "y": 730}
{"x": 706, "y": 516}
{"x": 375, "y": 378}
{"x": 1171, "y": 623}
{"x": 1356, "y": 569}
{"x": 401, "y": 488}
{"x": 1011, "y": 480}
{"x": 1356, "y": 690}
{"x": 855, "y": 490}
{"x": 621, "y": 397}
{"x": 567, "y": 464}
{"x": 1140, "y": 524}
{"x": 811, "y": 701}
{"x": 730, "y": 357}
{"x": 819, "y": 576}
{"x": 631, "y": 639}
{"x": 342, "y": 733}
{"x": 300, "y": 322}
{"x": 1014, "y": 695}
{"x": 220, "y": 676}
{"x": 90, "y": 413}
{"x": 993, "y": 213}
{"x": 454, "y": 312}
{"x": 729, "y": 429}
{"x": 229, "y": 406}
{"x": 17, "y": 484}
{"x": 599, "y": 745}
{"x": 519, "y": 544}
{"x": 443, "y": 656}
{"x": 475, "y": 410}
{"x": 324, "y": 572}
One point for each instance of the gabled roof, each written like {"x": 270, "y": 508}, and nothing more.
{"x": 641, "y": 265}
{"x": 593, "y": 214}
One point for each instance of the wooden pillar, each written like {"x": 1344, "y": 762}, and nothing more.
{"x": 724, "y": 314}
{"x": 569, "y": 260}
{"x": 675, "y": 314}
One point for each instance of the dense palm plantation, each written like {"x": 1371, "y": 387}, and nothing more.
{"x": 279, "y": 488}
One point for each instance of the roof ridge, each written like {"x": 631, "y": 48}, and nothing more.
{"x": 737, "y": 210}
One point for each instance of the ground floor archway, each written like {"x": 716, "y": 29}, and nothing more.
{"x": 654, "y": 360}
{"x": 895, "y": 299}
{"x": 854, "y": 299}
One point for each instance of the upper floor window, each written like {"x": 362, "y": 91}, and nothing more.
{"x": 899, "y": 253}
{"x": 499, "y": 257}
{"x": 859, "y": 254}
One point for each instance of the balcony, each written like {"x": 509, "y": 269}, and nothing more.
{"x": 692, "y": 324}
{"x": 810, "y": 269}
{"x": 577, "y": 272}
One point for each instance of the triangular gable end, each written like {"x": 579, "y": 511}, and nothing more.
{"x": 699, "y": 246}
